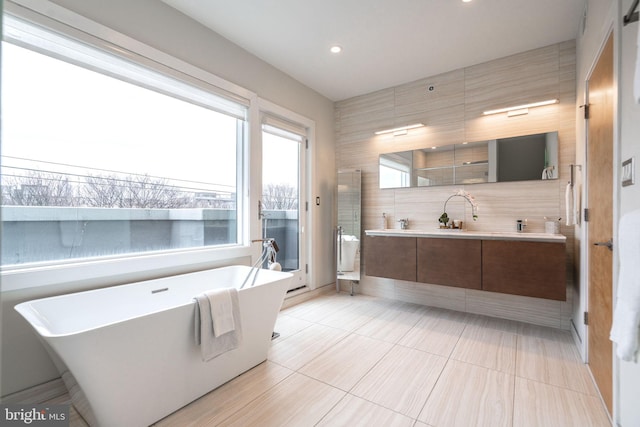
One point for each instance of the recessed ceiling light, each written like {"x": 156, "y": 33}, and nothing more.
{"x": 466, "y": 1}
{"x": 336, "y": 49}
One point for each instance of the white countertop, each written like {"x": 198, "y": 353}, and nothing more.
{"x": 481, "y": 235}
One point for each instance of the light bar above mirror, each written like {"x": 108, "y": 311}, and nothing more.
{"x": 402, "y": 130}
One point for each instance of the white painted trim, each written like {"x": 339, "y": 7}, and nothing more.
{"x": 585, "y": 249}
{"x": 268, "y": 107}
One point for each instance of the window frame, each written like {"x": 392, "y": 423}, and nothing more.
{"x": 101, "y": 271}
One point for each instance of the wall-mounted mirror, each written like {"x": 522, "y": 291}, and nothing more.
{"x": 520, "y": 158}
{"x": 349, "y": 226}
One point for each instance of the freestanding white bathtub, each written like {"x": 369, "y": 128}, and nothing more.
{"x": 127, "y": 353}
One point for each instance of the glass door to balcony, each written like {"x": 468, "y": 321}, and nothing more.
{"x": 282, "y": 204}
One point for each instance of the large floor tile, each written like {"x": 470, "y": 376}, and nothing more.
{"x": 288, "y": 326}
{"x": 402, "y": 380}
{"x": 393, "y": 323}
{"x": 318, "y": 312}
{"x": 486, "y": 347}
{"x": 542, "y": 405}
{"x": 296, "y": 401}
{"x": 355, "y": 412}
{"x": 304, "y": 346}
{"x": 470, "y": 396}
{"x": 544, "y": 332}
{"x": 214, "y": 407}
{"x": 437, "y": 332}
{"x": 354, "y": 316}
{"x": 347, "y": 361}
{"x": 555, "y": 362}
{"x": 504, "y": 325}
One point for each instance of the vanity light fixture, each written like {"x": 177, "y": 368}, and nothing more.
{"x": 521, "y": 109}
{"x": 401, "y": 130}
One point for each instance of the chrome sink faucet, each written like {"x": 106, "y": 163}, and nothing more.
{"x": 404, "y": 223}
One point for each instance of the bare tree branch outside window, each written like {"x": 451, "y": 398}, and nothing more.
{"x": 280, "y": 197}
{"x": 39, "y": 188}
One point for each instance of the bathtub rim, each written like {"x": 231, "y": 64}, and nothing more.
{"x": 28, "y": 311}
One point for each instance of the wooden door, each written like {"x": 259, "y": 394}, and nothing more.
{"x": 600, "y": 225}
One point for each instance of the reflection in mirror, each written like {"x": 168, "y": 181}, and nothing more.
{"x": 349, "y": 226}
{"x": 521, "y": 158}
{"x": 395, "y": 169}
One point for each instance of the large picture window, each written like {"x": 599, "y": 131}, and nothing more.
{"x": 103, "y": 156}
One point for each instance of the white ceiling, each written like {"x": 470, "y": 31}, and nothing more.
{"x": 385, "y": 42}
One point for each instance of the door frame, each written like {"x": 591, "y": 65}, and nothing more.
{"x": 255, "y": 192}
{"x": 584, "y": 243}
{"x": 585, "y": 249}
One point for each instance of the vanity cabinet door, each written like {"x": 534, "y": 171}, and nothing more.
{"x": 535, "y": 269}
{"x": 390, "y": 257}
{"x": 450, "y": 262}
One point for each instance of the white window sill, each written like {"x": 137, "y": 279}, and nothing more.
{"x": 84, "y": 274}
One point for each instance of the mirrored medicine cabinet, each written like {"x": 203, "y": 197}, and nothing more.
{"x": 519, "y": 158}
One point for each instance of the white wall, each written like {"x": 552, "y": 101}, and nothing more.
{"x": 24, "y": 362}
{"x": 628, "y": 373}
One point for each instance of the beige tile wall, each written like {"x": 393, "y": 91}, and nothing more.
{"x": 452, "y": 113}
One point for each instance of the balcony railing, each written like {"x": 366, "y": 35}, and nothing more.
{"x": 36, "y": 234}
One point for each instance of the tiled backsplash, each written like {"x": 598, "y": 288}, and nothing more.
{"x": 452, "y": 113}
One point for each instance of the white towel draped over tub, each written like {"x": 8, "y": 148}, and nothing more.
{"x": 217, "y": 322}
{"x": 626, "y": 317}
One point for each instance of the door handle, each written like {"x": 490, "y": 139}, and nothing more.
{"x": 608, "y": 244}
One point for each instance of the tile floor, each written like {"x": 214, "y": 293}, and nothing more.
{"x": 364, "y": 361}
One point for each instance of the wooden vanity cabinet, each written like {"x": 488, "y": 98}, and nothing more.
{"x": 535, "y": 269}
{"x": 450, "y": 262}
{"x": 390, "y": 257}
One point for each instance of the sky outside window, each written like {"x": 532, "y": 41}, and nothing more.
{"x": 62, "y": 113}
